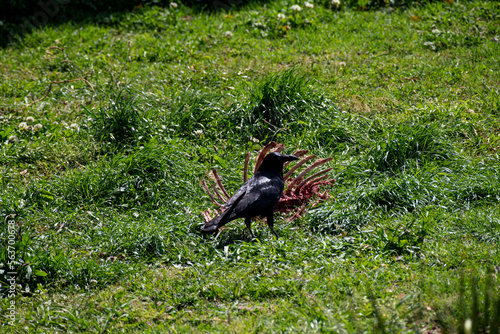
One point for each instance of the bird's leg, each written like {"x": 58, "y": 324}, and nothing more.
{"x": 270, "y": 223}
{"x": 248, "y": 223}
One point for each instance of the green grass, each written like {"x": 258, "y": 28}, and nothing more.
{"x": 105, "y": 193}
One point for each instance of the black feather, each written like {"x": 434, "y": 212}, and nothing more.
{"x": 256, "y": 197}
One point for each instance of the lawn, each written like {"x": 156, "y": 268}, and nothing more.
{"x": 109, "y": 122}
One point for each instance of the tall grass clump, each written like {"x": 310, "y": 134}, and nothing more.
{"x": 151, "y": 176}
{"x": 197, "y": 116}
{"x": 146, "y": 177}
{"x": 120, "y": 123}
{"x": 38, "y": 264}
{"x": 283, "y": 101}
{"x": 477, "y": 183}
{"x": 339, "y": 217}
{"x": 407, "y": 144}
{"x": 339, "y": 132}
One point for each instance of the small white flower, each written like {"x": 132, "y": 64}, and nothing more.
{"x": 468, "y": 326}
{"x": 37, "y": 127}
{"x": 174, "y": 5}
{"x": 308, "y": 5}
{"x": 281, "y": 16}
{"x": 30, "y": 119}
{"x": 296, "y": 8}
{"x": 23, "y": 125}
{"x": 335, "y": 3}
{"x": 12, "y": 139}
{"x": 255, "y": 140}
{"x": 74, "y": 126}
{"x": 228, "y": 34}
{"x": 199, "y": 132}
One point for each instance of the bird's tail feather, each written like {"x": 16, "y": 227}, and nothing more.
{"x": 213, "y": 225}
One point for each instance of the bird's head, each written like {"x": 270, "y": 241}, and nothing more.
{"x": 275, "y": 160}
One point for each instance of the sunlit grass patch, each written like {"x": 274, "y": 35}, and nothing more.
{"x": 105, "y": 196}
{"x": 406, "y": 144}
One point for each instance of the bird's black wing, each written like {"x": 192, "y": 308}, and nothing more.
{"x": 257, "y": 196}
{"x": 261, "y": 194}
{"x": 237, "y": 195}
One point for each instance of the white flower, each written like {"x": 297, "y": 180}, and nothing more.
{"x": 37, "y": 127}
{"x": 30, "y": 119}
{"x": 296, "y": 8}
{"x": 23, "y": 125}
{"x": 335, "y": 3}
{"x": 74, "y": 126}
{"x": 281, "y": 16}
{"x": 199, "y": 132}
{"x": 468, "y": 326}
{"x": 174, "y": 5}
{"x": 308, "y": 5}
{"x": 12, "y": 139}
{"x": 228, "y": 34}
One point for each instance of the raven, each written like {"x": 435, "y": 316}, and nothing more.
{"x": 256, "y": 197}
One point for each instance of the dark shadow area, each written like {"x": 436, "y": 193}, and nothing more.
{"x": 20, "y": 17}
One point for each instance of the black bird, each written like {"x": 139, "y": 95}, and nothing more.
{"x": 256, "y": 197}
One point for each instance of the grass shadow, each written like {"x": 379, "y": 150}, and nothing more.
{"x": 20, "y": 18}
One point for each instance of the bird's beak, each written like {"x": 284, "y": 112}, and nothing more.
{"x": 290, "y": 158}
